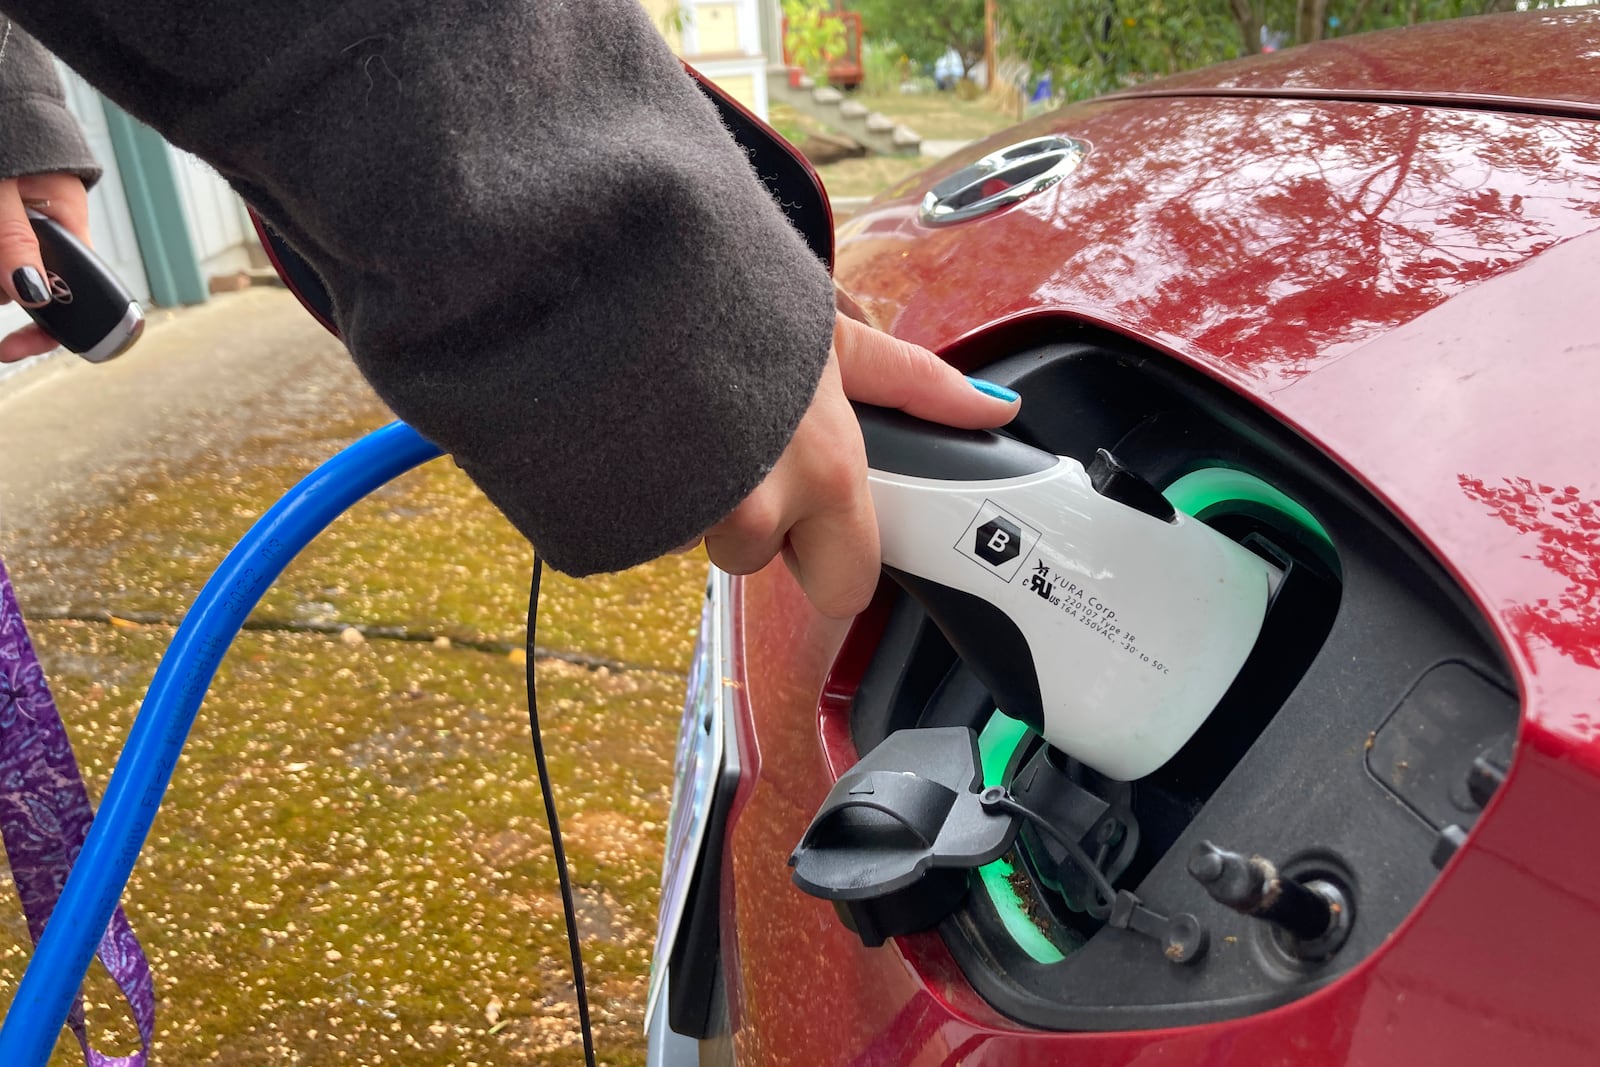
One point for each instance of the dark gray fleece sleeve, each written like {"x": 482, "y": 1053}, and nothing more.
{"x": 38, "y": 135}
{"x": 544, "y": 250}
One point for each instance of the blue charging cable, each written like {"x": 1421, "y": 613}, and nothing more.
{"x": 144, "y": 770}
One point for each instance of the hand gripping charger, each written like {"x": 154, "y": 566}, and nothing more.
{"x": 1091, "y": 609}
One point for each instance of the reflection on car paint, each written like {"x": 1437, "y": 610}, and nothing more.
{"x": 1266, "y": 235}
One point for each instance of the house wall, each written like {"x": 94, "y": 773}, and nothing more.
{"x": 220, "y": 232}
{"x": 662, "y": 14}
{"x": 726, "y": 40}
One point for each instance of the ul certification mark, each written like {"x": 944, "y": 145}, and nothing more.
{"x": 997, "y": 540}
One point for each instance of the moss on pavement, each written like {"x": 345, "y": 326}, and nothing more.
{"x": 352, "y": 864}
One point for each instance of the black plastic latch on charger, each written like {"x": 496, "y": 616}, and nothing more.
{"x": 892, "y": 844}
{"x": 1115, "y": 480}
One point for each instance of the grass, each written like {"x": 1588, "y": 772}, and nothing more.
{"x": 869, "y": 175}
{"x": 936, "y": 116}
{"x": 941, "y": 116}
{"x": 351, "y": 866}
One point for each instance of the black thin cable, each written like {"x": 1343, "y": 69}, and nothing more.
{"x": 1006, "y": 802}
{"x": 570, "y": 910}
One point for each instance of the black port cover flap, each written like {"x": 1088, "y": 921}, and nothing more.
{"x": 910, "y": 805}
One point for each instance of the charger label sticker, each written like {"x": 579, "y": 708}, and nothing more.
{"x": 1087, "y": 606}
{"x": 997, "y": 540}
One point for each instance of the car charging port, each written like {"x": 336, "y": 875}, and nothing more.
{"x": 1182, "y": 938}
{"x": 1275, "y": 527}
{"x": 1082, "y": 806}
{"x": 1126, "y": 827}
{"x": 1363, "y": 734}
{"x": 1051, "y": 897}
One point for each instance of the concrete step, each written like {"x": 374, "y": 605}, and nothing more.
{"x": 878, "y": 133}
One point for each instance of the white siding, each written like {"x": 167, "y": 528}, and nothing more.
{"x": 218, "y": 224}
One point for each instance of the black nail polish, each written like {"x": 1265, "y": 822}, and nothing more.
{"x": 30, "y": 286}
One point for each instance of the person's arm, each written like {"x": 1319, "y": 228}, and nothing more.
{"x": 45, "y": 163}
{"x": 544, "y": 250}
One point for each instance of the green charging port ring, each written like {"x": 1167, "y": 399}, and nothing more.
{"x": 1200, "y": 493}
{"x": 1001, "y": 737}
{"x": 1212, "y": 489}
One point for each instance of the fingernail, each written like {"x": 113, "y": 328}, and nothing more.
{"x": 999, "y": 392}
{"x": 30, "y": 286}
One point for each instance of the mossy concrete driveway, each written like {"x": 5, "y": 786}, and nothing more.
{"x": 351, "y": 866}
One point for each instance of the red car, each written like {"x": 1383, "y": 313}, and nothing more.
{"x": 1339, "y": 303}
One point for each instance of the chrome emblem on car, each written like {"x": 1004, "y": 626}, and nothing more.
{"x": 1001, "y": 178}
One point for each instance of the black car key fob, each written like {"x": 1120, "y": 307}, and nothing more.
{"x": 90, "y": 310}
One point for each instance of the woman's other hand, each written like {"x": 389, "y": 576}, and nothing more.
{"x": 22, "y": 273}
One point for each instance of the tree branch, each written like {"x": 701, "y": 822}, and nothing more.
{"x": 1245, "y": 14}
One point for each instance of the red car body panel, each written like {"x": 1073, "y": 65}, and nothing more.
{"x": 1534, "y": 61}
{"x": 1412, "y": 289}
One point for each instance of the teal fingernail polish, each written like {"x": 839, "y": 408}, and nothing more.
{"x": 988, "y": 388}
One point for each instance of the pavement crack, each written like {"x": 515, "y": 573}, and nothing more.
{"x": 268, "y": 624}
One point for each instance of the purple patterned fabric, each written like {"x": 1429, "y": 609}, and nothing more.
{"x": 44, "y": 818}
